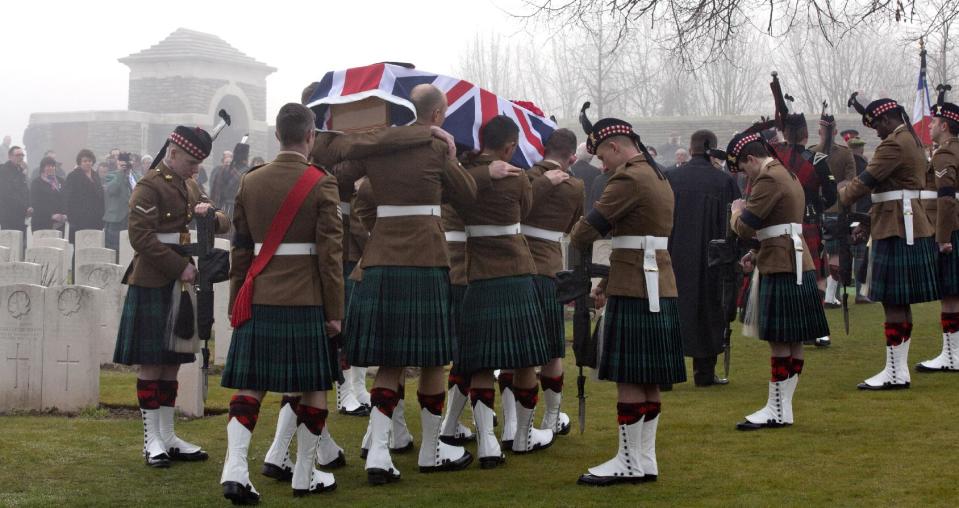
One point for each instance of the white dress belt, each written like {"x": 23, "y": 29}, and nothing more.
{"x": 906, "y": 196}
{"x": 345, "y": 208}
{"x": 455, "y": 236}
{"x": 794, "y": 231}
{"x": 542, "y": 234}
{"x": 383, "y": 211}
{"x": 290, "y": 249}
{"x": 489, "y": 230}
{"x": 169, "y": 238}
{"x": 649, "y": 245}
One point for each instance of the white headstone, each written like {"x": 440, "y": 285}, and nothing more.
{"x": 221, "y": 322}
{"x": 13, "y": 240}
{"x": 86, "y": 238}
{"x": 46, "y": 233}
{"x": 601, "y": 251}
{"x": 105, "y": 277}
{"x": 21, "y": 346}
{"x": 189, "y": 399}
{"x": 90, "y": 255}
{"x": 126, "y": 250}
{"x": 51, "y": 264}
{"x": 58, "y": 243}
{"x": 4, "y": 254}
{"x": 71, "y": 367}
{"x": 19, "y": 272}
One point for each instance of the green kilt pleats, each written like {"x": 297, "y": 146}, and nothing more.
{"x": 639, "y": 346}
{"x": 949, "y": 269}
{"x": 502, "y": 325}
{"x": 348, "y": 284}
{"x": 400, "y": 316}
{"x": 141, "y": 337}
{"x": 281, "y": 349}
{"x": 553, "y": 322}
{"x": 789, "y": 312}
{"x": 457, "y": 293}
{"x": 904, "y": 274}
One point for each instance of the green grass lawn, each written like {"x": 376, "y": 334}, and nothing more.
{"x": 847, "y": 448}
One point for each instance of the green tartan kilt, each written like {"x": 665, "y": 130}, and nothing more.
{"x": 400, "y": 316}
{"x": 457, "y": 292}
{"x": 281, "y": 349}
{"x": 552, "y": 316}
{"x": 348, "y": 284}
{"x": 639, "y": 346}
{"x": 140, "y": 338}
{"x": 949, "y": 269}
{"x": 502, "y": 325}
{"x": 904, "y": 274}
{"x": 789, "y": 312}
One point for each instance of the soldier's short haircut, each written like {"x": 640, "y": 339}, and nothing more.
{"x": 756, "y": 149}
{"x": 497, "y": 132}
{"x": 562, "y": 143}
{"x": 426, "y": 99}
{"x": 86, "y": 153}
{"x": 308, "y": 92}
{"x": 294, "y": 123}
{"x": 699, "y": 140}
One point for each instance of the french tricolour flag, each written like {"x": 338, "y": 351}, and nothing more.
{"x": 921, "y": 114}
{"x": 469, "y": 105}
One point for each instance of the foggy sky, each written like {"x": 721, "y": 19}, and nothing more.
{"x": 60, "y": 56}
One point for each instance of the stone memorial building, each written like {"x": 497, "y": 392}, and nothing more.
{"x": 184, "y": 79}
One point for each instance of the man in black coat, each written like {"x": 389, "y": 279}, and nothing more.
{"x": 14, "y": 193}
{"x": 703, "y": 194}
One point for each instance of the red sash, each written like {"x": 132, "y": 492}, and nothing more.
{"x": 243, "y": 306}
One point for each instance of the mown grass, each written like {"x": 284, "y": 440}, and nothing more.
{"x": 847, "y": 448}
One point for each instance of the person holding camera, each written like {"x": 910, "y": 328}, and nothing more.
{"x": 118, "y": 188}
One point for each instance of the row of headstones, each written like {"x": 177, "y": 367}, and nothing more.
{"x": 107, "y": 278}
{"x": 55, "y": 255}
{"x": 44, "y": 269}
{"x": 54, "y": 340}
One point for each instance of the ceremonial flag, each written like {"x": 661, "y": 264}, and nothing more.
{"x": 921, "y": 114}
{"x": 469, "y": 105}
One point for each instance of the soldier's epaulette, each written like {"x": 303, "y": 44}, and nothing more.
{"x": 256, "y": 167}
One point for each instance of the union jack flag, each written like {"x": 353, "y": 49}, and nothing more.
{"x": 469, "y": 105}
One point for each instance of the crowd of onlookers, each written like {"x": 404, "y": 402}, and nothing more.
{"x": 95, "y": 194}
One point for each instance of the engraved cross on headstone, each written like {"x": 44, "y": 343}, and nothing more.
{"x": 66, "y": 363}
{"x": 16, "y": 359}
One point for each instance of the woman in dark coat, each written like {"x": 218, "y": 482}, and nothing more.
{"x": 46, "y": 195}
{"x": 84, "y": 195}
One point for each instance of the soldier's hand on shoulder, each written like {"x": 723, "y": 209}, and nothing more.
{"x": 189, "y": 273}
{"x": 501, "y": 169}
{"x": 556, "y": 176}
{"x": 442, "y": 135}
